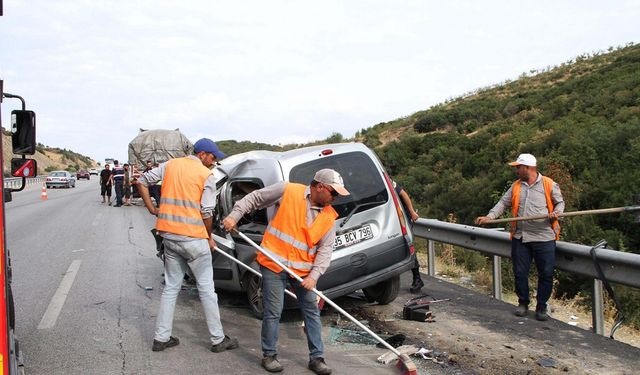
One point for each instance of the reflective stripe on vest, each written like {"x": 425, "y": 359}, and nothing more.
{"x": 288, "y": 237}
{"x": 547, "y": 185}
{"x": 179, "y": 213}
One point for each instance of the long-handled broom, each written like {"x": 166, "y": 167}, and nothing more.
{"x": 231, "y": 258}
{"x": 404, "y": 364}
{"x": 567, "y": 214}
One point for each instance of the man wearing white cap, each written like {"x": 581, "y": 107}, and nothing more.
{"x": 531, "y": 195}
{"x": 301, "y": 236}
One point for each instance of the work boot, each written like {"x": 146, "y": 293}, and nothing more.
{"x": 416, "y": 285}
{"x": 226, "y": 344}
{"x": 542, "y": 315}
{"x": 159, "y": 346}
{"x": 318, "y": 366}
{"x": 271, "y": 364}
{"x": 521, "y": 310}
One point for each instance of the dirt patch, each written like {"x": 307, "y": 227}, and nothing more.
{"x": 475, "y": 334}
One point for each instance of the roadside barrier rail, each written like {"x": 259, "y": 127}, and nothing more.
{"x": 15, "y": 182}
{"x": 618, "y": 267}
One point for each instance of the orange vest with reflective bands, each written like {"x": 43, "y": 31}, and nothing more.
{"x": 288, "y": 237}
{"x": 547, "y": 185}
{"x": 182, "y": 187}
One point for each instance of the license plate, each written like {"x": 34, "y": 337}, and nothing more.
{"x": 353, "y": 236}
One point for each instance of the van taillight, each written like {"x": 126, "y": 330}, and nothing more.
{"x": 326, "y": 152}
{"x": 403, "y": 223}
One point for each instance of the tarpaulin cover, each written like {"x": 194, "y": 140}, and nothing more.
{"x": 158, "y": 145}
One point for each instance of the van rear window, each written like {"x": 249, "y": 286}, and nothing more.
{"x": 361, "y": 177}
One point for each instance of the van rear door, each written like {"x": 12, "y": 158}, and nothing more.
{"x": 369, "y": 237}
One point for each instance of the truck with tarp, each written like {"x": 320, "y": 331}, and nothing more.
{"x": 158, "y": 146}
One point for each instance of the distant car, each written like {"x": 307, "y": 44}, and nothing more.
{"x": 60, "y": 179}
{"x": 83, "y": 173}
{"x": 93, "y": 171}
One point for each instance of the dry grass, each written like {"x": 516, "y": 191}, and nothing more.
{"x": 572, "y": 311}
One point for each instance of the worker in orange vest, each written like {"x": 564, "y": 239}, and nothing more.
{"x": 531, "y": 195}
{"x": 301, "y": 236}
{"x": 185, "y": 220}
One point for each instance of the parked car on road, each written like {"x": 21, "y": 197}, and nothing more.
{"x": 373, "y": 244}
{"x": 93, "y": 171}
{"x": 83, "y": 173}
{"x": 60, "y": 179}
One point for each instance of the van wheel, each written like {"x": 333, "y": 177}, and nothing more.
{"x": 253, "y": 285}
{"x": 383, "y": 292}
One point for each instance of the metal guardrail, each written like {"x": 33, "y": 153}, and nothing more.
{"x": 16, "y": 182}
{"x": 618, "y": 267}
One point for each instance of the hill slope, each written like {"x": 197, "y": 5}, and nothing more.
{"x": 581, "y": 120}
{"x": 48, "y": 158}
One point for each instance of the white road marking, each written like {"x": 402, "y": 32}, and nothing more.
{"x": 76, "y": 251}
{"x": 55, "y": 306}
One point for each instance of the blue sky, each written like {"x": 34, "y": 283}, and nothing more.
{"x": 274, "y": 71}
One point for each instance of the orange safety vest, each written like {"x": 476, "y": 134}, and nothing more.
{"x": 182, "y": 187}
{"x": 547, "y": 185}
{"x": 288, "y": 237}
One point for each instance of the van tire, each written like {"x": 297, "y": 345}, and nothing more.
{"x": 383, "y": 292}
{"x": 253, "y": 285}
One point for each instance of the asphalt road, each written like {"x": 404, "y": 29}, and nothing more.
{"x": 87, "y": 286}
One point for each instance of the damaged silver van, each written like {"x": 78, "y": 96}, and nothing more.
{"x": 373, "y": 244}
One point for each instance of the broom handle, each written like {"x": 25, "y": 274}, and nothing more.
{"x": 319, "y": 294}
{"x": 231, "y": 258}
{"x": 565, "y": 214}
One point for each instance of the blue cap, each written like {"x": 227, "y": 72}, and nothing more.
{"x": 207, "y": 145}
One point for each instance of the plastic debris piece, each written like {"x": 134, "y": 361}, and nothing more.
{"x": 547, "y": 362}
{"x": 425, "y": 353}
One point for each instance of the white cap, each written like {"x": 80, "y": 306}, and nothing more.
{"x": 524, "y": 159}
{"x": 332, "y": 178}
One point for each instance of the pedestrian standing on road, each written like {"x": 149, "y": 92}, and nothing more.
{"x": 117, "y": 178}
{"x": 105, "y": 183}
{"x": 127, "y": 185}
{"x": 405, "y": 200}
{"x": 531, "y": 195}
{"x": 301, "y": 236}
{"x": 154, "y": 190}
{"x": 185, "y": 220}
{"x": 148, "y": 166}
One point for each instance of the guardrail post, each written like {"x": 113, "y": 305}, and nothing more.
{"x": 497, "y": 277}
{"x": 431, "y": 258}
{"x": 597, "y": 310}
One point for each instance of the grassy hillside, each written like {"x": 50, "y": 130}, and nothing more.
{"x": 580, "y": 119}
{"x": 48, "y": 158}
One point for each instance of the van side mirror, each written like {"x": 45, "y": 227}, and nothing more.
{"x": 24, "y": 167}
{"x": 23, "y": 132}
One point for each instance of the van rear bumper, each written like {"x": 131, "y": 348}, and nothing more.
{"x": 371, "y": 279}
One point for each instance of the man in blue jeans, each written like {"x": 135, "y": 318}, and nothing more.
{"x": 301, "y": 236}
{"x": 531, "y": 195}
{"x": 185, "y": 219}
